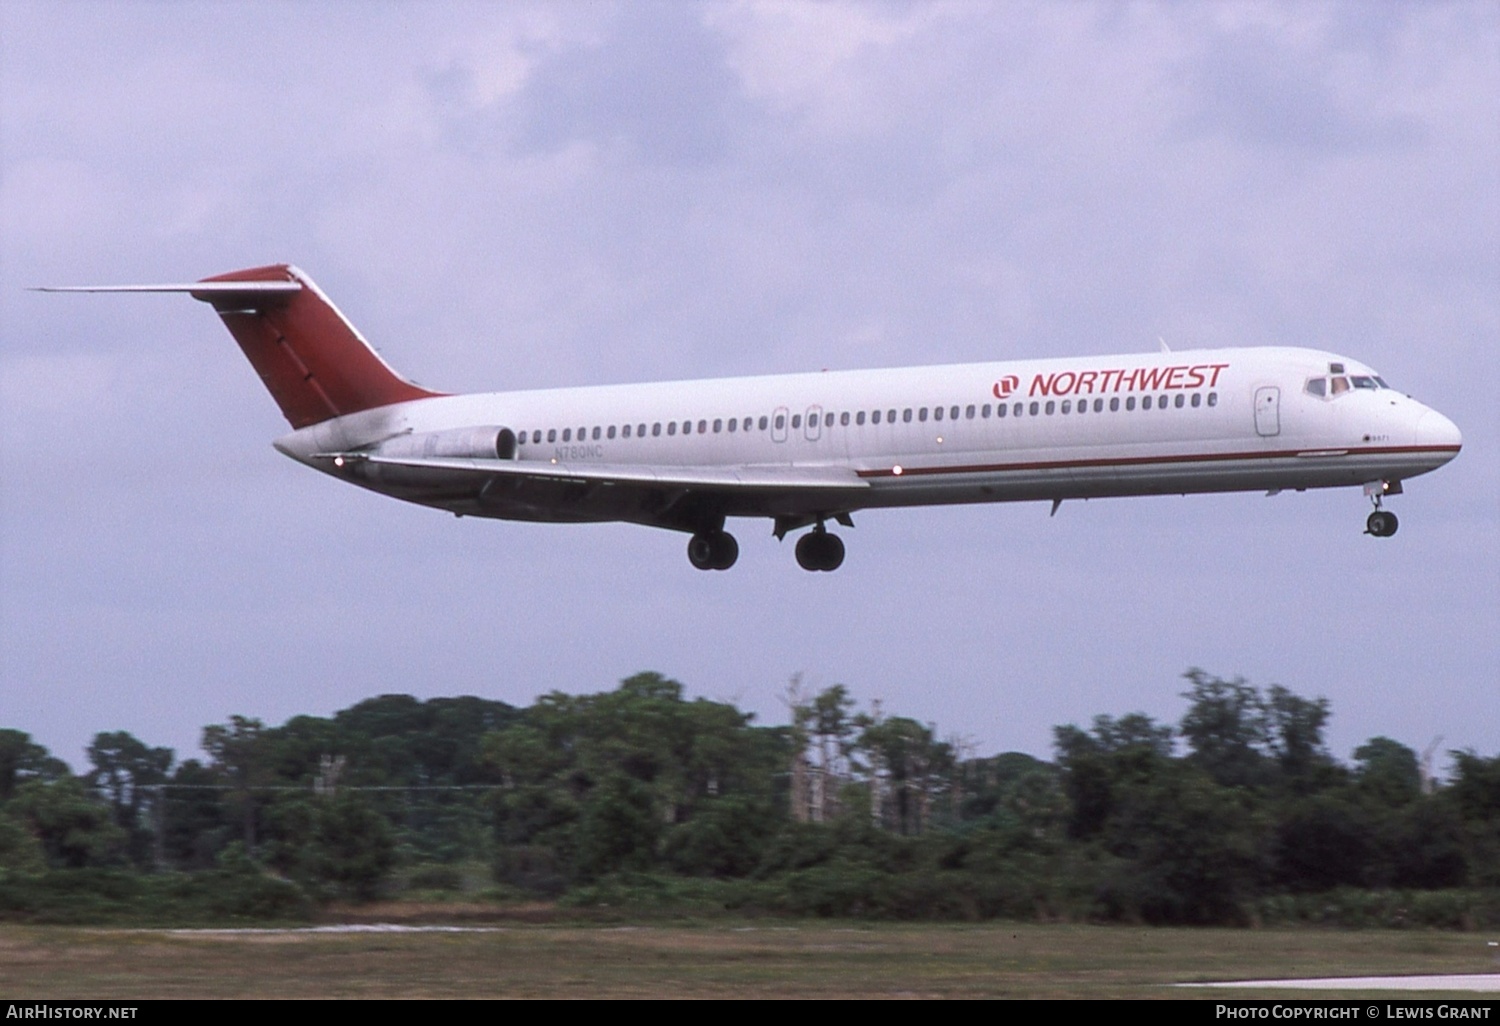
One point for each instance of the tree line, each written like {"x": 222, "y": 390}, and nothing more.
{"x": 1238, "y": 813}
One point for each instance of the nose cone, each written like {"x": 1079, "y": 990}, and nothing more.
{"x": 1436, "y": 431}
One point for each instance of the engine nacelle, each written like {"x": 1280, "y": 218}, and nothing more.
{"x": 484, "y": 443}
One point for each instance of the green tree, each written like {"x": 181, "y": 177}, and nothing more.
{"x": 593, "y": 784}
{"x": 126, "y": 773}
{"x": 242, "y": 758}
{"x": 353, "y": 848}
{"x": 1226, "y": 728}
{"x": 22, "y": 759}
{"x": 910, "y": 771}
{"x": 1294, "y": 739}
{"x": 1475, "y": 793}
{"x": 1387, "y": 773}
{"x": 72, "y": 826}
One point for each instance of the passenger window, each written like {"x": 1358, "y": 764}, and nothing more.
{"x": 1035, "y": 408}
{"x": 536, "y": 437}
{"x": 1050, "y": 407}
{"x": 1130, "y": 402}
{"x": 1145, "y": 402}
{"x": 640, "y": 431}
{"x": 859, "y": 418}
{"x": 780, "y": 422}
{"x": 828, "y": 420}
{"x": 703, "y": 427}
{"x": 1197, "y": 400}
{"x": 968, "y": 413}
{"x": 671, "y": 427}
{"x": 733, "y": 424}
{"x": 611, "y": 432}
{"x": 567, "y": 434}
{"x": 999, "y": 410}
{"x": 718, "y": 425}
{"x": 890, "y": 416}
{"x": 1179, "y": 400}
{"x": 656, "y": 429}
{"x": 596, "y": 434}
{"x": 844, "y": 419}
{"x": 937, "y": 414}
{"x": 922, "y": 415}
{"x": 875, "y": 417}
{"x": 1067, "y": 406}
{"x": 906, "y": 415}
{"x": 521, "y": 438}
{"x": 1213, "y": 398}
{"x": 796, "y": 421}
{"x": 687, "y": 427}
{"x": 583, "y": 433}
{"x": 985, "y": 410}
{"x": 1098, "y": 405}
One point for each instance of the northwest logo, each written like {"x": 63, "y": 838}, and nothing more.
{"x": 1006, "y": 385}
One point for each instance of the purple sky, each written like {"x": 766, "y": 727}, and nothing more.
{"x": 507, "y": 196}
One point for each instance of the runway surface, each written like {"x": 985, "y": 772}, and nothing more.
{"x": 1476, "y": 982}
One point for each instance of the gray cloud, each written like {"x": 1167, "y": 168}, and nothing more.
{"x": 519, "y": 196}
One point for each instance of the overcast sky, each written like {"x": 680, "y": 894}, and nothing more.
{"x": 509, "y": 196}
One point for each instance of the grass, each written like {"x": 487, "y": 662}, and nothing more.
{"x": 762, "y": 959}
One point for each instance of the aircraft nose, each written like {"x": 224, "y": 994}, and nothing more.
{"x": 1437, "y": 431}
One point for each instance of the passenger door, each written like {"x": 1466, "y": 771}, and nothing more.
{"x": 1268, "y": 411}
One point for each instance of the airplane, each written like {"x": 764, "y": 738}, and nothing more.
{"x": 808, "y": 449}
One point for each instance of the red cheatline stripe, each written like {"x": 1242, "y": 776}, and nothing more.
{"x": 1136, "y": 461}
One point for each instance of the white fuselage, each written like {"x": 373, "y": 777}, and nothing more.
{"x": 1170, "y": 422}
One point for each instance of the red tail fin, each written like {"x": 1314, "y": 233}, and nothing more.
{"x": 312, "y": 360}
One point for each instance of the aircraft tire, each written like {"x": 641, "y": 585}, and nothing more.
{"x": 833, "y": 552}
{"x": 701, "y": 551}
{"x": 1382, "y": 524}
{"x": 713, "y": 550}
{"x": 725, "y": 550}
{"x": 820, "y": 551}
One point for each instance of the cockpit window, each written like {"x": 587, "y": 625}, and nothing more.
{"x": 1331, "y": 387}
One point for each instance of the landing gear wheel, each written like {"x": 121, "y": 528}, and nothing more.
{"x": 713, "y": 550}
{"x": 820, "y": 550}
{"x": 1382, "y": 524}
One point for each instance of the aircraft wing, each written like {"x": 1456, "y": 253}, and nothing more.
{"x": 831, "y": 480}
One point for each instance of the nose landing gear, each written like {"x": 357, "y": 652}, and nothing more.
{"x": 1381, "y": 524}
{"x": 713, "y": 550}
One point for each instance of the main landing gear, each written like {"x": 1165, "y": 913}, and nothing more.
{"x": 1382, "y": 523}
{"x": 713, "y": 550}
{"x": 819, "y": 550}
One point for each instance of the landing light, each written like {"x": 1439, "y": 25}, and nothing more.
{"x": 338, "y": 461}
{"x": 896, "y": 470}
